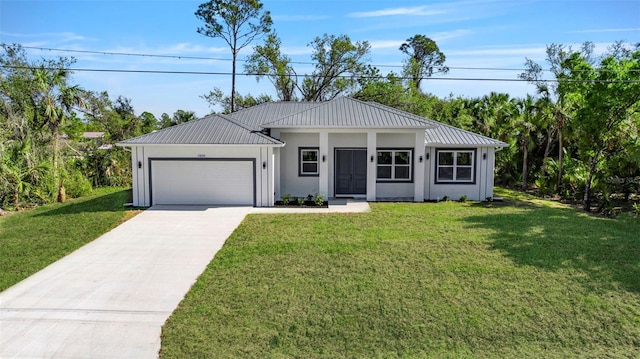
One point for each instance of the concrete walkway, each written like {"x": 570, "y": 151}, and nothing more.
{"x": 335, "y": 206}
{"x": 110, "y": 298}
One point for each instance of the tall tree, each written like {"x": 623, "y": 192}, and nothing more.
{"x": 388, "y": 90}
{"x": 238, "y": 23}
{"x": 562, "y": 107}
{"x": 524, "y": 124}
{"x": 338, "y": 63}
{"x": 425, "y": 59}
{"x": 268, "y": 60}
{"x": 56, "y": 100}
{"x": 38, "y": 107}
{"x": 608, "y": 98}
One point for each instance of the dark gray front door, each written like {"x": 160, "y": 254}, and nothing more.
{"x": 351, "y": 171}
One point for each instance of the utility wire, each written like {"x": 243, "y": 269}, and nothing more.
{"x": 303, "y": 76}
{"x": 181, "y": 57}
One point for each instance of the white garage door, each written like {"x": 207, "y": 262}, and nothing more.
{"x": 202, "y": 182}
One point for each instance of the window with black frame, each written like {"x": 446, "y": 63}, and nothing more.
{"x": 308, "y": 161}
{"x": 394, "y": 165}
{"x": 455, "y": 166}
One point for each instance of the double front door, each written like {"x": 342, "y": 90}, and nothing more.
{"x": 350, "y": 171}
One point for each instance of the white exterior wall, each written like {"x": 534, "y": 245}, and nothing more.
{"x": 140, "y": 156}
{"x": 290, "y": 182}
{"x": 396, "y": 141}
{"x": 342, "y": 140}
{"x": 479, "y": 191}
{"x": 327, "y": 140}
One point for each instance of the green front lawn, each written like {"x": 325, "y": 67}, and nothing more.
{"x": 524, "y": 278}
{"x": 31, "y": 240}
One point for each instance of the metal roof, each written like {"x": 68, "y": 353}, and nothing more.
{"x": 449, "y": 136}
{"x": 212, "y": 129}
{"x": 345, "y": 112}
{"x": 243, "y": 127}
{"x": 254, "y": 117}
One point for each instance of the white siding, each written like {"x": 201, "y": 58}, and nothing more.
{"x": 202, "y": 181}
{"x": 142, "y": 154}
{"x": 479, "y": 191}
{"x": 290, "y": 182}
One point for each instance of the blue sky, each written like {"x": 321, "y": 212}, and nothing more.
{"x": 494, "y": 34}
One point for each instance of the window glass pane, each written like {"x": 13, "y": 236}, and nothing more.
{"x": 463, "y": 173}
{"x": 402, "y": 172}
{"x": 445, "y": 173}
{"x": 445, "y": 158}
{"x": 384, "y": 157}
{"x": 464, "y": 158}
{"x": 309, "y": 167}
{"x": 310, "y": 155}
{"x": 402, "y": 157}
{"x": 384, "y": 171}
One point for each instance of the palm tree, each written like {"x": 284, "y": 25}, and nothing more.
{"x": 55, "y": 100}
{"x": 524, "y": 123}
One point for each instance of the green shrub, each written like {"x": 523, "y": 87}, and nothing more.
{"x": 76, "y": 185}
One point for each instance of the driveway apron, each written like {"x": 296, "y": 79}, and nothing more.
{"x": 110, "y": 298}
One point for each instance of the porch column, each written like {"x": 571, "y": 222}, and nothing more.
{"x": 418, "y": 167}
{"x": 371, "y": 165}
{"x": 277, "y": 152}
{"x": 324, "y": 164}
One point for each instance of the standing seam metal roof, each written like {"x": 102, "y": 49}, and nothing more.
{"x": 212, "y": 129}
{"x": 349, "y": 112}
{"x": 447, "y": 135}
{"x": 243, "y": 127}
{"x": 255, "y": 116}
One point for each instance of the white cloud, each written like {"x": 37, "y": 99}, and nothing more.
{"x": 500, "y": 51}
{"x": 405, "y": 11}
{"x": 51, "y": 37}
{"x": 605, "y": 30}
{"x": 385, "y": 44}
{"x": 442, "y": 36}
{"x": 438, "y": 37}
{"x": 171, "y": 49}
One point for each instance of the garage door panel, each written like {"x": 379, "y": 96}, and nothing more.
{"x": 202, "y": 182}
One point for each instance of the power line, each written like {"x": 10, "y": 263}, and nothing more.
{"x": 181, "y": 57}
{"x": 303, "y": 76}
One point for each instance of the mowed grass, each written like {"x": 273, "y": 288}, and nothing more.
{"x": 33, "y": 239}
{"x": 524, "y": 278}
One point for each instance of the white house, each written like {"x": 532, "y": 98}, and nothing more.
{"x": 339, "y": 148}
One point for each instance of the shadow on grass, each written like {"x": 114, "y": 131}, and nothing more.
{"x": 557, "y": 239}
{"x": 110, "y": 202}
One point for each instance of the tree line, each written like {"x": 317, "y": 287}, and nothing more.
{"x": 43, "y": 116}
{"x": 575, "y": 137}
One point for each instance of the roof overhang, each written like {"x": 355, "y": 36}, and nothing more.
{"x": 354, "y": 128}
{"x": 197, "y": 145}
{"x": 466, "y": 145}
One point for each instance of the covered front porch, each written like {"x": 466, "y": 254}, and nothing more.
{"x": 371, "y": 164}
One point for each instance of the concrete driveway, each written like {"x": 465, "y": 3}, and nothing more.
{"x": 110, "y": 298}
